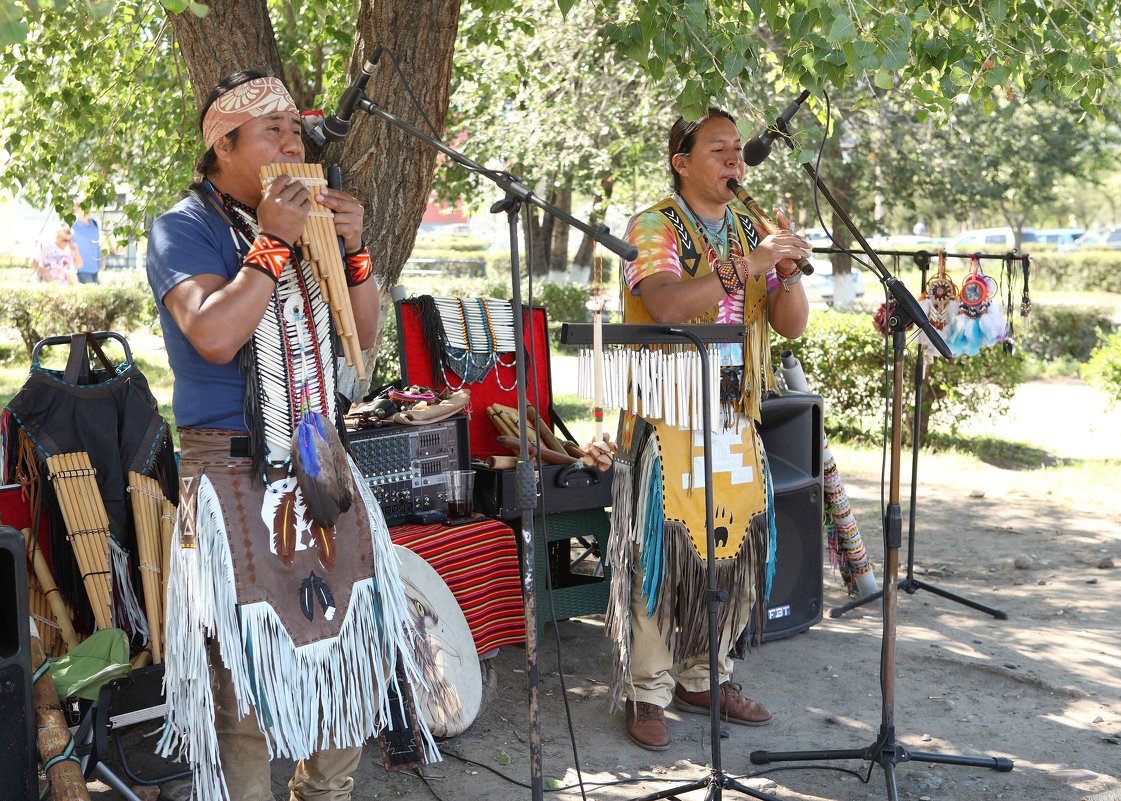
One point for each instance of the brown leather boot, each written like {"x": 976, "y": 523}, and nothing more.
{"x": 734, "y": 707}
{"x": 646, "y": 726}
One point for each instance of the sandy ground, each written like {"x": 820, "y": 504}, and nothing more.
{"x": 1042, "y": 688}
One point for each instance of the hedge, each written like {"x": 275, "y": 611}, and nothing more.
{"x": 1103, "y": 369}
{"x": 1076, "y": 270}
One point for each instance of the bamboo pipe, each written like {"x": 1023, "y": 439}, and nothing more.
{"x": 502, "y": 462}
{"x": 50, "y": 591}
{"x": 145, "y": 495}
{"x": 65, "y": 776}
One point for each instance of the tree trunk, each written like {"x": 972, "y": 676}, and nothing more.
{"x": 558, "y": 251}
{"x": 586, "y": 253}
{"x": 234, "y": 35}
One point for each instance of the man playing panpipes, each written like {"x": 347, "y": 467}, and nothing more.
{"x": 283, "y": 583}
{"x": 700, "y": 261}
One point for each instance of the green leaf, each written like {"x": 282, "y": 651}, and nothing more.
{"x": 175, "y": 6}
{"x": 565, "y": 6}
{"x": 842, "y": 29}
{"x": 200, "y": 10}
{"x": 884, "y": 79}
{"x": 501, "y": 757}
{"x": 553, "y": 783}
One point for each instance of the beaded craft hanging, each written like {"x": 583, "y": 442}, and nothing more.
{"x": 478, "y": 331}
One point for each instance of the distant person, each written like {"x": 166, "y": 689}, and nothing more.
{"x": 87, "y": 237}
{"x": 58, "y": 261}
{"x": 920, "y": 228}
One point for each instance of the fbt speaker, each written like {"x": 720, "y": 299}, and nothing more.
{"x": 794, "y": 439}
{"x": 19, "y": 776}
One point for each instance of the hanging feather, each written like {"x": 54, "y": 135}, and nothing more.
{"x": 284, "y": 527}
{"x": 307, "y": 590}
{"x": 327, "y": 490}
{"x": 324, "y": 596}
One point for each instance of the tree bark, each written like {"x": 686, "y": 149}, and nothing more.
{"x": 586, "y": 252}
{"x": 234, "y": 35}
{"x": 558, "y": 250}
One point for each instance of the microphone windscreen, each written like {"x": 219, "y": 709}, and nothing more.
{"x": 756, "y": 151}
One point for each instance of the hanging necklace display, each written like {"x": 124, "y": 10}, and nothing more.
{"x": 1025, "y": 299}
{"x": 979, "y": 322}
{"x": 478, "y": 331}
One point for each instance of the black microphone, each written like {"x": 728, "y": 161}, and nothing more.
{"x": 759, "y": 147}
{"x": 336, "y": 127}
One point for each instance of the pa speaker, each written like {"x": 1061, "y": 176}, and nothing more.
{"x": 793, "y": 438}
{"x": 19, "y": 775}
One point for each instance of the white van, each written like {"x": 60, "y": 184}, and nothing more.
{"x": 989, "y": 240}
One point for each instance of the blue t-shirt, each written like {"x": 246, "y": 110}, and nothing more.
{"x": 193, "y": 239}
{"x": 88, "y": 239}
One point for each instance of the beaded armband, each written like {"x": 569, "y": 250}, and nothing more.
{"x": 729, "y": 278}
{"x": 358, "y": 266}
{"x": 268, "y": 254}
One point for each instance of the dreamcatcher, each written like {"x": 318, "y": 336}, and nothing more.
{"x": 979, "y": 323}
{"x": 939, "y": 301}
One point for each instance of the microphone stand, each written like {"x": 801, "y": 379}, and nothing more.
{"x": 525, "y": 478}
{"x": 886, "y": 750}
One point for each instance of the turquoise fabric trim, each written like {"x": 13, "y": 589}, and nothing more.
{"x": 653, "y": 556}
{"x": 261, "y": 708}
{"x": 43, "y": 668}
{"x": 772, "y": 531}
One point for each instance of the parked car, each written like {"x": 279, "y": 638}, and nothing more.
{"x": 989, "y": 240}
{"x": 1063, "y": 238}
{"x": 1107, "y": 239}
{"x": 907, "y": 242}
{"x": 819, "y": 285}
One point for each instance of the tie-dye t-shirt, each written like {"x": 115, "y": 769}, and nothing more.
{"x": 654, "y": 236}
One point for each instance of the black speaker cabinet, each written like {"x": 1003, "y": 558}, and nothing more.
{"x": 19, "y": 776}
{"x": 793, "y": 438}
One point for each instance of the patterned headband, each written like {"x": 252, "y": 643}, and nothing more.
{"x": 246, "y": 101}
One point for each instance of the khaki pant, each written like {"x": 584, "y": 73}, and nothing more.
{"x": 326, "y": 776}
{"x": 653, "y": 671}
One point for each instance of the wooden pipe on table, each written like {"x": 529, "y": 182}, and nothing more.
{"x": 548, "y": 455}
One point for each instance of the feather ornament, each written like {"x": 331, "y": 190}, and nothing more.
{"x": 327, "y": 490}
{"x": 307, "y": 603}
{"x": 285, "y": 528}
{"x": 324, "y": 596}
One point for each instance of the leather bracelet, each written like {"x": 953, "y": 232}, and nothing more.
{"x": 268, "y": 254}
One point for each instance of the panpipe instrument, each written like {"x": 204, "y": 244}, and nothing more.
{"x": 760, "y": 219}
{"x": 87, "y": 527}
{"x": 320, "y": 246}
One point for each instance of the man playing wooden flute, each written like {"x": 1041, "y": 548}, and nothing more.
{"x": 283, "y": 583}
{"x": 700, "y": 261}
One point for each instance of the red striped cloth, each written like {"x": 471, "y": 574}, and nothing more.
{"x": 479, "y": 563}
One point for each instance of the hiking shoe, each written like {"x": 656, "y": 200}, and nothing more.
{"x": 646, "y": 726}
{"x": 734, "y": 706}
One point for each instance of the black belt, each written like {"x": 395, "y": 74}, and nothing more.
{"x": 239, "y": 447}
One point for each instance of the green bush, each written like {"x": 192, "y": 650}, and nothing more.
{"x": 1065, "y": 332}
{"x": 1103, "y": 369}
{"x": 449, "y": 242}
{"x": 843, "y": 357}
{"x": 1076, "y": 270}
{"x": 44, "y": 310}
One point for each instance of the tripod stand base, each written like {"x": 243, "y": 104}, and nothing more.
{"x": 911, "y": 585}
{"x": 716, "y": 784}
{"x": 885, "y": 752}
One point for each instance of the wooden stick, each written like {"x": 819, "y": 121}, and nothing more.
{"x": 502, "y": 462}
{"x": 544, "y": 435}
{"x": 50, "y": 591}
{"x": 548, "y": 455}
{"x": 65, "y": 776}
